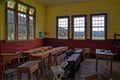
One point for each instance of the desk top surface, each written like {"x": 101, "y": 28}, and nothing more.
{"x": 104, "y": 52}
{"x": 49, "y": 51}
{"x": 9, "y": 54}
{"x": 38, "y": 49}
{"x": 78, "y": 50}
{"x": 73, "y": 57}
{"x": 28, "y": 64}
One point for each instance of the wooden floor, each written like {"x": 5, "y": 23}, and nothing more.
{"x": 87, "y": 68}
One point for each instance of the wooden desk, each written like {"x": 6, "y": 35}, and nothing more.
{"x": 46, "y": 54}
{"x": 9, "y": 56}
{"x": 56, "y": 51}
{"x": 5, "y": 57}
{"x": 104, "y": 54}
{"x": 74, "y": 64}
{"x": 41, "y": 56}
{"x": 36, "y": 50}
{"x": 28, "y": 67}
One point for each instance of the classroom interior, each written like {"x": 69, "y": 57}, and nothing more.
{"x": 60, "y": 40}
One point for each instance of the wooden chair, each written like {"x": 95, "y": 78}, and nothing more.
{"x": 91, "y": 77}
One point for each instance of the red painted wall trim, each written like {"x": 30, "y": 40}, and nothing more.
{"x": 20, "y": 45}
{"x": 1, "y": 41}
{"x": 106, "y": 44}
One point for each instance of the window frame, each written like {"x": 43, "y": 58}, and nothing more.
{"x": 58, "y": 17}
{"x": 105, "y": 27}
{"x": 16, "y": 12}
{"x": 7, "y": 23}
{"x": 85, "y": 16}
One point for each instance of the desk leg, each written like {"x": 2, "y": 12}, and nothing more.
{"x": 29, "y": 76}
{"x": 55, "y": 58}
{"x": 37, "y": 76}
{"x": 29, "y": 57}
{"x": 107, "y": 60}
{"x": 111, "y": 64}
{"x": 19, "y": 76}
{"x": 42, "y": 66}
{"x": 96, "y": 62}
{"x": 49, "y": 61}
{"x": 44, "y": 62}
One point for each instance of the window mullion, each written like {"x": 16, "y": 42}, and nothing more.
{"x": 16, "y": 21}
{"x": 27, "y": 23}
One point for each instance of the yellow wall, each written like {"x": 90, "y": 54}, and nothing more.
{"x": 40, "y": 18}
{"x": 111, "y": 7}
{"x": 0, "y": 21}
{"x": 46, "y": 15}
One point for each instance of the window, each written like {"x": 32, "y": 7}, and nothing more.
{"x": 62, "y": 27}
{"x": 79, "y": 27}
{"x": 98, "y": 26}
{"x": 11, "y": 20}
{"x": 20, "y": 21}
{"x": 31, "y": 28}
{"x": 22, "y": 27}
{"x": 10, "y": 25}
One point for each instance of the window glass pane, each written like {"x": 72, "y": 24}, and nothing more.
{"x": 22, "y": 27}
{"x": 22, "y": 8}
{"x": 98, "y": 27}
{"x": 10, "y": 15}
{"x": 62, "y": 33}
{"x": 31, "y": 28}
{"x": 79, "y": 33}
{"x": 79, "y": 27}
{"x": 11, "y": 31}
{"x": 10, "y": 25}
{"x": 11, "y": 4}
{"x": 63, "y": 28}
{"x": 31, "y": 11}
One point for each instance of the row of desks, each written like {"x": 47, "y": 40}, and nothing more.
{"x": 36, "y": 50}
{"x": 34, "y": 54}
{"x": 47, "y": 54}
{"x": 9, "y": 56}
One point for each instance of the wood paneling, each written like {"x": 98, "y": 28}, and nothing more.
{"x": 20, "y": 45}
{"x": 0, "y": 62}
{"x": 107, "y": 44}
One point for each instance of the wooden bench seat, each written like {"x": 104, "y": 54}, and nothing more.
{"x": 57, "y": 71}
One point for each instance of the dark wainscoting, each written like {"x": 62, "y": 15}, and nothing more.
{"x": 106, "y": 44}
{"x": 14, "y": 46}
{"x": 1, "y": 41}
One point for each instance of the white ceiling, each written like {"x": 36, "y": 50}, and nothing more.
{"x": 52, "y": 2}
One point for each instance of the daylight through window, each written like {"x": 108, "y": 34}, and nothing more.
{"x": 98, "y": 27}
{"x": 20, "y": 21}
{"x": 62, "y": 27}
{"x": 79, "y": 27}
